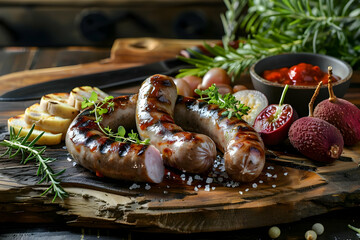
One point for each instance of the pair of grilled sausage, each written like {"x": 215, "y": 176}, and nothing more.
{"x": 160, "y": 114}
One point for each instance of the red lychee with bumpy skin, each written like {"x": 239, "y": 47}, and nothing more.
{"x": 344, "y": 115}
{"x": 316, "y": 139}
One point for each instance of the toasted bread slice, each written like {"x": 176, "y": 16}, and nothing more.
{"x": 57, "y": 104}
{"x": 78, "y": 94}
{"x": 48, "y": 138}
{"x": 50, "y": 123}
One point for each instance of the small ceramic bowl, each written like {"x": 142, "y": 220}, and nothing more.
{"x": 299, "y": 96}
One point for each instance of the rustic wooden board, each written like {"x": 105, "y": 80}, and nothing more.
{"x": 283, "y": 193}
{"x": 290, "y": 188}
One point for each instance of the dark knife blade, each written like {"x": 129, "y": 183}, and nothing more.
{"x": 102, "y": 80}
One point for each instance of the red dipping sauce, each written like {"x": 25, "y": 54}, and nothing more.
{"x": 302, "y": 74}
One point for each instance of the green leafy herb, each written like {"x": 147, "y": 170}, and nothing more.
{"x": 329, "y": 27}
{"x": 228, "y": 101}
{"x": 101, "y": 108}
{"x": 28, "y": 152}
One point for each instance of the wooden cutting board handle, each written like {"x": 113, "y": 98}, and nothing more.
{"x": 125, "y": 53}
{"x": 147, "y": 50}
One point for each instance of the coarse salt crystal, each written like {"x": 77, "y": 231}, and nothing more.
{"x": 213, "y": 188}
{"x": 196, "y": 189}
{"x": 254, "y": 185}
{"x": 189, "y": 181}
{"x": 286, "y": 173}
{"x": 147, "y": 187}
{"x": 274, "y": 185}
{"x": 134, "y": 186}
{"x": 261, "y": 181}
{"x": 220, "y": 179}
{"x": 241, "y": 193}
{"x": 207, "y": 188}
{"x": 165, "y": 192}
{"x": 209, "y": 180}
{"x": 197, "y": 177}
{"x": 246, "y": 190}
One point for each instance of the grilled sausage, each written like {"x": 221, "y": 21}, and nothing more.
{"x": 187, "y": 151}
{"x": 95, "y": 151}
{"x": 243, "y": 148}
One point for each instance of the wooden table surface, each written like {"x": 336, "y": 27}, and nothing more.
{"x": 15, "y": 60}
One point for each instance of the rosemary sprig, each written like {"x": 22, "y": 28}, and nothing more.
{"x": 99, "y": 109}
{"x": 28, "y": 152}
{"x": 329, "y": 27}
{"x": 228, "y": 101}
{"x": 231, "y": 20}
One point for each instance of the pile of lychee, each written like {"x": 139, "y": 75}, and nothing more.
{"x": 333, "y": 123}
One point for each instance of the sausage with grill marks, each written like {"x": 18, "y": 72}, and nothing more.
{"x": 183, "y": 150}
{"x": 95, "y": 151}
{"x": 242, "y": 146}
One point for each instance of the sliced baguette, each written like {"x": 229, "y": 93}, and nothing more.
{"x": 78, "y": 94}
{"x": 50, "y": 123}
{"x": 48, "y": 138}
{"x": 57, "y": 104}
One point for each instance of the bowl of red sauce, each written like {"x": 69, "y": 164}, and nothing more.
{"x": 302, "y": 72}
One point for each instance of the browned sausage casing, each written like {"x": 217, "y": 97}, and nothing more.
{"x": 242, "y": 146}
{"x": 187, "y": 151}
{"x": 95, "y": 151}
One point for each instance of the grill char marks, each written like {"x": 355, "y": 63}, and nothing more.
{"x": 92, "y": 149}
{"x": 155, "y": 120}
{"x": 243, "y": 148}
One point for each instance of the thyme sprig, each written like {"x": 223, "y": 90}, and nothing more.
{"x": 228, "y": 101}
{"x": 329, "y": 27}
{"x": 102, "y": 107}
{"x": 29, "y": 151}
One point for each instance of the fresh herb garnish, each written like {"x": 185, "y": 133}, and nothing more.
{"x": 273, "y": 27}
{"x": 228, "y": 101}
{"x": 102, "y": 107}
{"x": 28, "y": 152}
